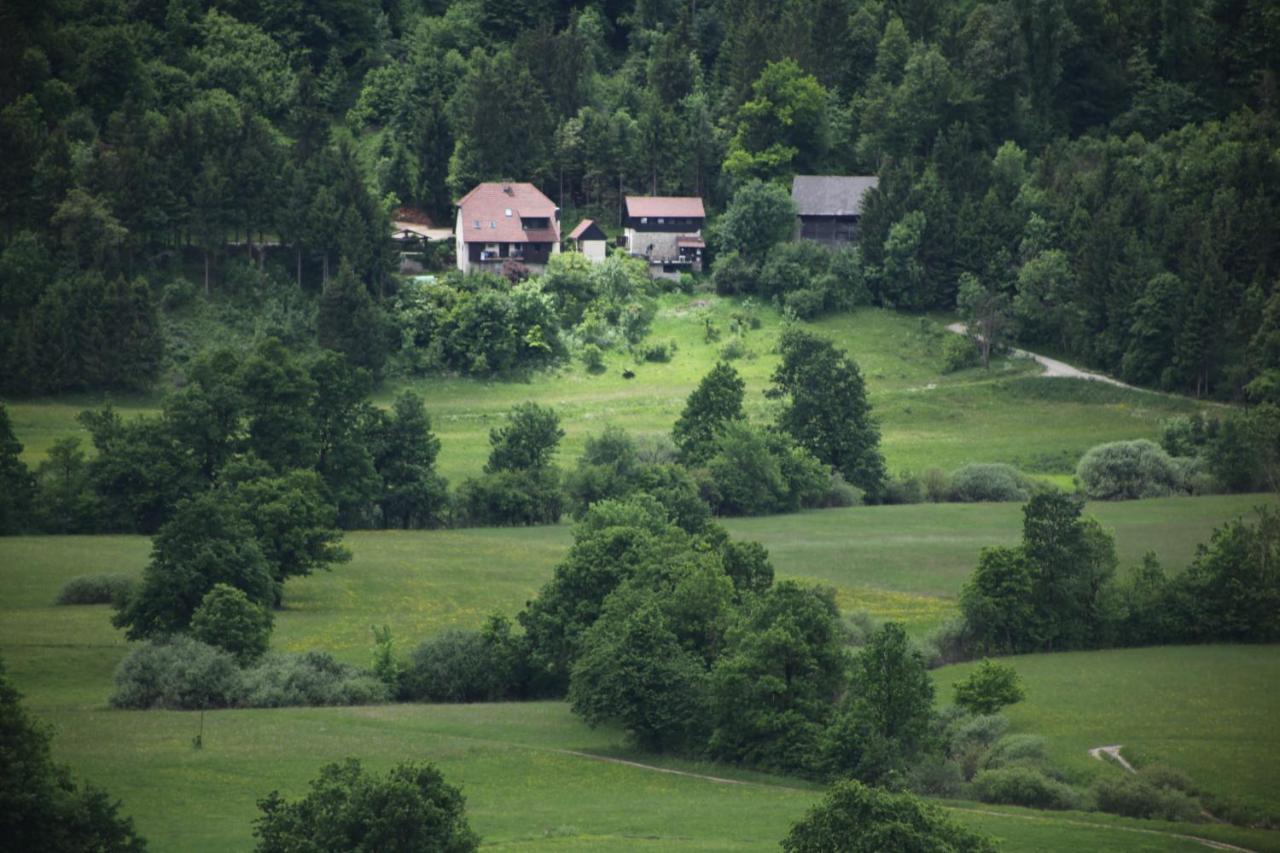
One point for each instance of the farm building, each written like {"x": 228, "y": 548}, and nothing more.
{"x": 506, "y": 222}
{"x": 589, "y": 239}
{"x": 828, "y": 207}
{"x": 666, "y": 231}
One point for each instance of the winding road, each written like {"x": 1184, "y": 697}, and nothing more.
{"x": 1052, "y": 367}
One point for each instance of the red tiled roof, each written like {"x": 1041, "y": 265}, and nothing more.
{"x": 677, "y": 207}
{"x": 582, "y": 226}
{"x": 498, "y": 207}
{"x": 691, "y": 242}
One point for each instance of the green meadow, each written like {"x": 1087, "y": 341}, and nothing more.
{"x": 928, "y": 418}
{"x": 534, "y": 775}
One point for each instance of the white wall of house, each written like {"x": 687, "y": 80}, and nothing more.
{"x": 464, "y": 260}
{"x": 595, "y": 250}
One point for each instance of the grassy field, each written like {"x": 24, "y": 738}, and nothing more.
{"x": 928, "y": 418}
{"x": 1210, "y": 711}
{"x": 527, "y": 788}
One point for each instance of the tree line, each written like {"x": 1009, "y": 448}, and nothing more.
{"x": 1104, "y": 178}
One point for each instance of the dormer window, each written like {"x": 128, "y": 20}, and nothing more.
{"x": 478, "y": 223}
{"x": 493, "y": 223}
{"x": 508, "y": 212}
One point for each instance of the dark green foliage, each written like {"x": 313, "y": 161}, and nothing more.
{"x": 41, "y": 806}
{"x": 826, "y": 409}
{"x": 988, "y": 482}
{"x": 1232, "y": 590}
{"x": 308, "y": 679}
{"x": 634, "y": 671}
{"x": 292, "y": 523}
{"x": 759, "y": 216}
{"x": 179, "y": 673}
{"x": 772, "y": 690}
{"x": 464, "y": 666}
{"x": 1125, "y": 470}
{"x": 65, "y": 502}
{"x": 17, "y": 485}
{"x": 1135, "y": 796}
{"x": 208, "y": 541}
{"x": 511, "y": 498}
{"x": 96, "y": 589}
{"x": 404, "y": 455}
{"x": 527, "y": 442}
{"x": 854, "y": 818}
{"x": 227, "y": 619}
{"x": 1024, "y": 786}
{"x": 989, "y": 688}
{"x": 347, "y": 809}
{"x": 350, "y": 323}
{"x": 713, "y": 405}
{"x": 756, "y": 473}
{"x": 890, "y": 683}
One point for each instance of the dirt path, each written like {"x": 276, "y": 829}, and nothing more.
{"x": 1112, "y": 752}
{"x": 720, "y": 780}
{"x": 1052, "y": 367}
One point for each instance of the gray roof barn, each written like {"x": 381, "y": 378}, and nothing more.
{"x": 830, "y": 195}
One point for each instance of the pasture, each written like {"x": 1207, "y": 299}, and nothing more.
{"x": 533, "y": 773}
{"x": 928, "y": 418}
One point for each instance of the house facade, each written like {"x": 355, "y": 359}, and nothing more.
{"x": 666, "y": 231}
{"x": 828, "y": 207}
{"x": 589, "y": 239}
{"x": 504, "y": 221}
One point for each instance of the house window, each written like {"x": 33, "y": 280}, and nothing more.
{"x": 644, "y": 220}
{"x": 659, "y": 220}
{"x": 493, "y": 223}
{"x": 508, "y": 212}
{"x": 477, "y": 223}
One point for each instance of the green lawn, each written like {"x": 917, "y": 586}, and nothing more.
{"x": 1210, "y": 711}
{"x": 1205, "y": 710}
{"x": 928, "y": 419}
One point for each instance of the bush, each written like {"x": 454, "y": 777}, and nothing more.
{"x": 806, "y": 303}
{"x": 1015, "y": 750}
{"x": 734, "y": 349}
{"x": 855, "y": 818}
{"x": 96, "y": 589}
{"x": 180, "y": 674}
{"x": 593, "y": 358}
{"x": 412, "y": 809}
{"x": 458, "y": 666}
{"x": 311, "y": 678}
{"x": 1124, "y": 470}
{"x": 989, "y": 688}
{"x": 226, "y": 618}
{"x": 660, "y": 353}
{"x": 511, "y": 498}
{"x": 1025, "y": 786}
{"x": 1132, "y": 796}
{"x": 840, "y": 492}
{"x": 935, "y": 776}
{"x": 936, "y": 484}
{"x": 959, "y": 353}
{"x": 903, "y": 489}
{"x": 949, "y": 643}
{"x": 989, "y": 482}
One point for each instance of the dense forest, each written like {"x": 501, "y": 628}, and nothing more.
{"x": 1103, "y": 173}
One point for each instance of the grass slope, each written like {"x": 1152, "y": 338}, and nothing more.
{"x": 928, "y": 418}
{"x": 1208, "y": 710}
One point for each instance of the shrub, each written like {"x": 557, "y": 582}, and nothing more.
{"x": 1164, "y": 776}
{"x": 1024, "y": 786}
{"x": 1015, "y": 750}
{"x": 840, "y": 492}
{"x": 311, "y": 678}
{"x": 226, "y": 618}
{"x": 179, "y": 674}
{"x": 806, "y": 303}
{"x": 1132, "y": 796}
{"x": 855, "y": 818}
{"x": 959, "y": 353}
{"x": 412, "y": 809}
{"x": 950, "y": 642}
{"x": 593, "y": 358}
{"x": 989, "y": 482}
{"x": 734, "y": 349}
{"x": 511, "y": 498}
{"x": 989, "y": 688}
{"x": 903, "y": 489}
{"x": 96, "y": 589}
{"x": 657, "y": 352}
{"x": 1124, "y": 470}
{"x": 935, "y": 776}
{"x": 458, "y": 666}
{"x": 936, "y": 484}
